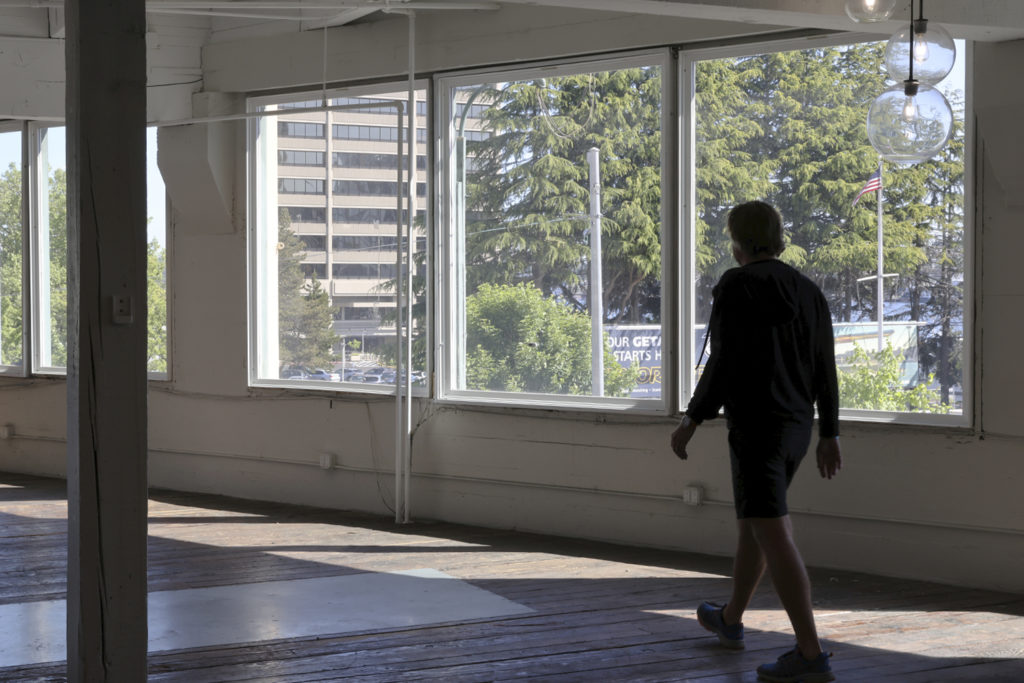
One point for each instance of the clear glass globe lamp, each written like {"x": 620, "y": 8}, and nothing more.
{"x": 910, "y": 123}
{"x": 869, "y": 11}
{"x": 933, "y": 53}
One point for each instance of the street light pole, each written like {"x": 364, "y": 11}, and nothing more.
{"x": 878, "y": 290}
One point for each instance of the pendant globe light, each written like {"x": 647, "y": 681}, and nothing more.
{"x": 870, "y": 11}
{"x": 910, "y": 122}
{"x": 926, "y": 48}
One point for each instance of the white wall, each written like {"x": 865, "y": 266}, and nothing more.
{"x": 938, "y": 504}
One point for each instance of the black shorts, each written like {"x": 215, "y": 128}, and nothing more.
{"x": 763, "y": 464}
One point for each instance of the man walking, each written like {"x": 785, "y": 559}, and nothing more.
{"x": 772, "y": 359}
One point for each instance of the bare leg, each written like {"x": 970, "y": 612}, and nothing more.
{"x": 789, "y": 575}
{"x": 748, "y": 568}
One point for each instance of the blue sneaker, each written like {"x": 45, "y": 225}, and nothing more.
{"x": 793, "y": 668}
{"x": 710, "y": 617}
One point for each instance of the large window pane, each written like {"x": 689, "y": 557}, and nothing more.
{"x": 789, "y": 128}
{"x": 326, "y": 242}
{"x": 51, "y": 239}
{"x": 51, "y": 254}
{"x": 156, "y": 235}
{"x": 11, "y": 232}
{"x": 538, "y": 305}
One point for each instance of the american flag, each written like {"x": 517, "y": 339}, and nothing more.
{"x": 873, "y": 183}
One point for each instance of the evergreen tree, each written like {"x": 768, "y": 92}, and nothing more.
{"x": 304, "y": 308}
{"x": 156, "y": 296}
{"x": 58, "y": 218}
{"x": 10, "y": 267}
{"x": 528, "y": 189}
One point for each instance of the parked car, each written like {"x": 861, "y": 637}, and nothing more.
{"x": 294, "y": 372}
{"x": 352, "y": 375}
{"x": 321, "y": 374}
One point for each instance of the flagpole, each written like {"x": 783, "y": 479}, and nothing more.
{"x": 880, "y": 265}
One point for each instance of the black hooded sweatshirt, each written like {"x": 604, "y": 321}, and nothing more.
{"x": 772, "y": 352}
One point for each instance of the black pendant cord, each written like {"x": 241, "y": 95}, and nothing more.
{"x": 911, "y": 51}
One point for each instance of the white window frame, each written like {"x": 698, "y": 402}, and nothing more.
{"x": 262, "y": 294}
{"x": 687, "y": 244}
{"x": 37, "y": 268}
{"x": 22, "y": 370}
{"x": 168, "y": 258}
{"x": 449, "y": 273}
{"x": 40, "y": 254}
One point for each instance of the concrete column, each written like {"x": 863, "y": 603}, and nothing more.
{"x": 106, "y": 219}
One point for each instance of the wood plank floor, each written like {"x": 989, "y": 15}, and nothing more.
{"x": 600, "y": 612}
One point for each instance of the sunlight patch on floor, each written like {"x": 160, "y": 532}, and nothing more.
{"x": 34, "y": 632}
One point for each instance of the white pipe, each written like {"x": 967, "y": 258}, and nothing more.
{"x": 595, "y": 300}
{"x": 410, "y": 247}
{"x": 399, "y": 436}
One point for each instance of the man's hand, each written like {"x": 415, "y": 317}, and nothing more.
{"x": 830, "y": 460}
{"x": 682, "y": 435}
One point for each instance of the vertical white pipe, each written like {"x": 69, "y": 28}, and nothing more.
{"x": 595, "y": 297}
{"x": 399, "y": 488}
{"x": 410, "y": 247}
{"x": 878, "y": 290}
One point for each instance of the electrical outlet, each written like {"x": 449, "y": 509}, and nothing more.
{"x": 123, "y": 309}
{"x": 693, "y": 495}
{"x": 327, "y": 461}
{"x": 7, "y": 431}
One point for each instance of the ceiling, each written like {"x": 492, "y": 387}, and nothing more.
{"x": 986, "y": 20}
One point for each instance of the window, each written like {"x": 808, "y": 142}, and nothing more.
{"x": 300, "y": 129}
{"x": 377, "y": 161}
{"x": 368, "y": 216}
{"x": 372, "y": 188}
{"x": 48, "y": 186}
{"x": 299, "y": 157}
{"x": 314, "y": 242}
{"x": 421, "y": 105}
{"x": 300, "y": 186}
{"x": 49, "y": 231}
{"x": 305, "y": 214}
{"x": 529, "y": 319}
{"x": 314, "y": 270}
{"x": 375, "y": 271}
{"x": 11, "y": 252}
{"x": 536, "y": 310}
{"x": 376, "y": 133}
{"x": 156, "y": 208}
{"x": 297, "y": 310}
{"x": 788, "y": 127}
{"x": 367, "y": 243}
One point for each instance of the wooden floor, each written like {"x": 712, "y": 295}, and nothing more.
{"x": 601, "y": 613}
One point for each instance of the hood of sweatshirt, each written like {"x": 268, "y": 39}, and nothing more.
{"x": 767, "y": 291}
